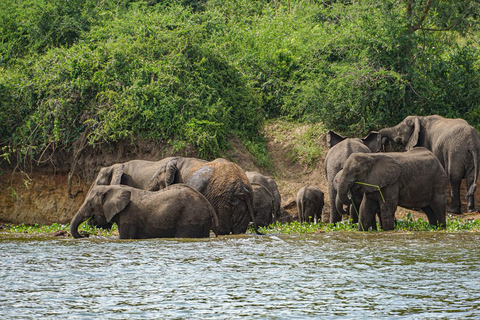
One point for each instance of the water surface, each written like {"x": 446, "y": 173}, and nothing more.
{"x": 429, "y": 275}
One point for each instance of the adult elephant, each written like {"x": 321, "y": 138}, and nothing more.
{"x": 178, "y": 211}
{"x": 134, "y": 173}
{"x": 263, "y": 205}
{"x": 222, "y": 182}
{"x": 310, "y": 201}
{"x": 412, "y": 179}
{"x": 271, "y": 185}
{"x": 340, "y": 149}
{"x": 454, "y": 142}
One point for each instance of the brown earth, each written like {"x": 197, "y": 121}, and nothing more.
{"x": 40, "y": 194}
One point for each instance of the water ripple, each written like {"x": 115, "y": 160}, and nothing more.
{"x": 332, "y": 275}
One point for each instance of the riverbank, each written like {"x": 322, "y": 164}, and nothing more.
{"x": 297, "y": 152}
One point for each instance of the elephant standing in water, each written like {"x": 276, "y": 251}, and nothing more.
{"x": 412, "y": 179}
{"x": 178, "y": 211}
{"x": 454, "y": 142}
{"x": 135, "y": 173}
{"x": 263, "y": 205}
{"x": 310, "y": 201}
{"x": 222, "y": 182}
{"x": 271, "y": 185}
{"x": 340, "y": 149}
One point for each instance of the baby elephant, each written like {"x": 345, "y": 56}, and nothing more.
{"x": 310, "y": 200}
{"x": 177, "y": 211}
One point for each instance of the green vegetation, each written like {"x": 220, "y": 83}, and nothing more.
{"x": 407, "y": 224}
{"x": 55, "y": 227}
{"x": 194, "y": 72}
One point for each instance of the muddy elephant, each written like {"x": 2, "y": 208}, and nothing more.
{"x": 222, "y": 182}
{"x": 412, "y": 179}
{"x": 263, "y": 205}
{"x": 310, "y": 201}
{"x": 454, "y": 142}
{"x": 178, "y": 211}
{"x": 340, "y": 149}
{"x": 271, "y": 185}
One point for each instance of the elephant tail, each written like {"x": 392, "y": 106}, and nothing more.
{"x": 473, "y": 187}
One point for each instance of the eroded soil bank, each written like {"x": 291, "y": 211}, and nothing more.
{"x": 40, "y": 194}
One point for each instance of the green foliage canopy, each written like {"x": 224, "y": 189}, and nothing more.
{"x": 195, "y": 72}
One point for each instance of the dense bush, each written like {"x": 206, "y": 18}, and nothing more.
{"x": 195, "y": 72}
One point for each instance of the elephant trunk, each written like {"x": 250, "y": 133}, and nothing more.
{"x": 78, "y": 219}
{"x": 344, "y": 191}
{"x": 384, "y": 136}
{"x": 339, "y": 205}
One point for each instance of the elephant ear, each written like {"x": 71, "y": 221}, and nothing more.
{"x": 114, "y": 201}
{"x": 372, "y": 141}
{"x": 171, "y": 172}
{"x": 104, "y": 176}
{"x": 333, "y": 138}
{"x": 412, "y": 142}
{"x": 155, "y": 182}
{"x": 117, "y": 174}
{"x": 384, "y": 171}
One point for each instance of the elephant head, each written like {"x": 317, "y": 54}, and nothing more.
{"x": 365, "y": 173}
{"x": 371, "y": 140}
{"x": 101, "y": 204}
{"x": 406, "y": 133}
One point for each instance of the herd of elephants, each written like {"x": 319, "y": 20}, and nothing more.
{"x": 189, "y": 197}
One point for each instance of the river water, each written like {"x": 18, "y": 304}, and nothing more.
{"x": 351, "y": 275}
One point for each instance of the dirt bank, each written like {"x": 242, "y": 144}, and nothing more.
{"x": 40, "y": 195}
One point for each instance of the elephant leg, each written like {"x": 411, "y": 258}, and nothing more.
{"x": 455, "y": 205}
{"x": 128, "y": 231}
{"x": 432, "y": 219}
{"x": 193, "y": 231}
{"x": 387, "y": 213}
{"x": 335, "y": 216}
{"x": 470, "y": 198}
{"x": 439, "y": 208}
{"x": 367, "y": 210}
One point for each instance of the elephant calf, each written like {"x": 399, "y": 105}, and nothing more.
{"x": 263, "y": 205}
{"x": 310, "y": 201}
{"x": 340, "y": 149}
{"x": 412, "y": 179}
{"x": 177, "y": 211}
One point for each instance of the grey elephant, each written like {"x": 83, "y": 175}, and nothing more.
{"x": 135, "y": 173}
{"x": 310, "y": 201}
{"x": 340, "y": 149}
{"x": 412, "y": 179}
{"x": 178, "y": 211}
{"x": 271, "y": 185}
{"x": 263, "y": 205}
{"x": 222, "y": 182}
{"x": 454, "y": 142}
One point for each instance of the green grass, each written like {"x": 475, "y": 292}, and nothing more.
{"x": 407, "y": 224}
{"x": 55, "y": 227}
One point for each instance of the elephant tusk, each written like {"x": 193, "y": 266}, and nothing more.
{"x": 372, "y": 185}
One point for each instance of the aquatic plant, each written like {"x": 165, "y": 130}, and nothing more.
{"x": 56, "y": 227}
